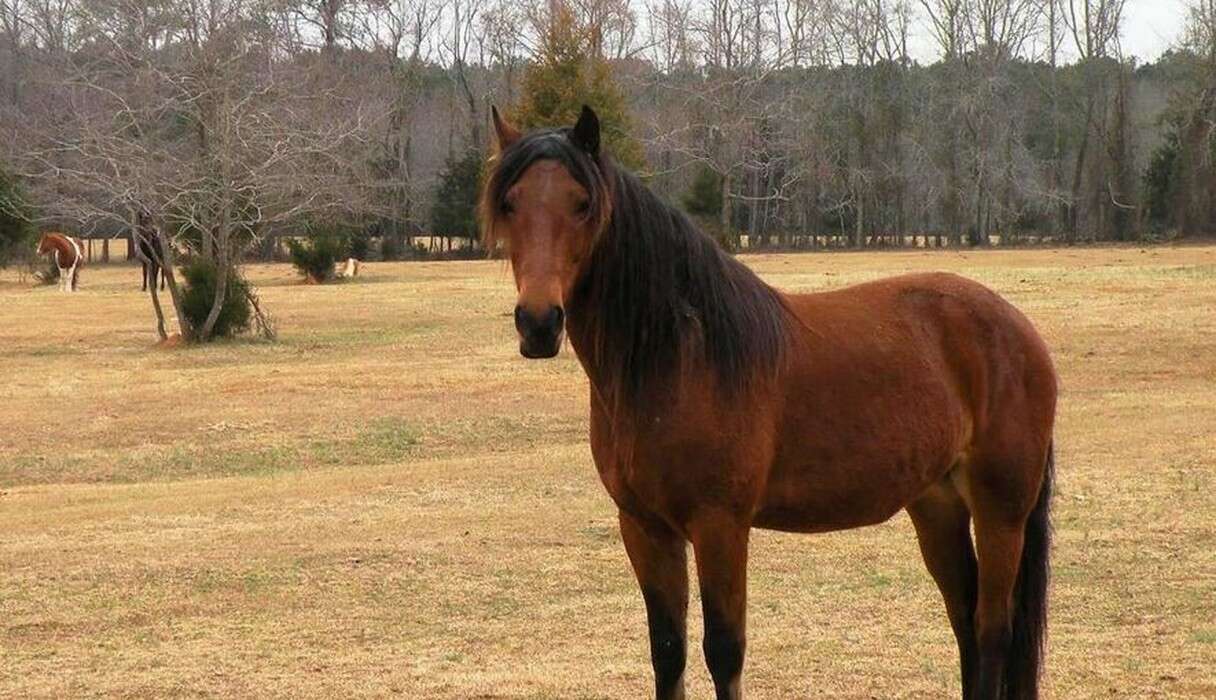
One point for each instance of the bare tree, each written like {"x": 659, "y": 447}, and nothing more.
{"x": 1094, "y": 28}
{"x": 55, "y": 23}
{"x": 191, "y": 123}
{"x": 14, "y": 28}
{"x": 669, "y": 41}
{"x": 321, "y": 23}
{"x": 457, "y": 50}
{"x": 1196, "y": 188}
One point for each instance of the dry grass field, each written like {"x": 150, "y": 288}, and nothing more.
{"x": 391, "y": 501}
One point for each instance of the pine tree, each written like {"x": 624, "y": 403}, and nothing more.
{"x": 1160, "y": 182}
{"x": 566, "y": 74}
{"x": 703, "y": 202}
{"x": 704, "y": 197}
{"x": 15, "y": 229}
{"x": 454, "y": 212}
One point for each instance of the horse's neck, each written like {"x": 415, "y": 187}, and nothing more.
{"x": 579, "y": 332}
{"x": 580, "y": 328}
{"x": 59, "y": 246}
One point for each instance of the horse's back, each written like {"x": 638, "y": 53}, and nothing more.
{"x": 926, "y": 318}
{"x": 935, "y": 325}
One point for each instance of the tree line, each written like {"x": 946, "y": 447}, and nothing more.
{"x": 793, "y": 123}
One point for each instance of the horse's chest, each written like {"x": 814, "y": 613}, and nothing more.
{"x": 676, "y": 465}
{"x": 630, "y": 473}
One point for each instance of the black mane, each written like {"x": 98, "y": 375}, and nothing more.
{"x": 656, "y": 288}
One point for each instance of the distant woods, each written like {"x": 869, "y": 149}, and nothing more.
{"x": 784, "y": 123}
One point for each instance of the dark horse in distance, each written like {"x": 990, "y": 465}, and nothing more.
{"x": 149, "y": 251}
{"x": 719, "y": 404}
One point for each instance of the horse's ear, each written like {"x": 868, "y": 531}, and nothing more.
{"x": 586, "y": 132}
{"x": 506, "y": 133}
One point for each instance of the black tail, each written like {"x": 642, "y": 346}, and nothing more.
{"x": 1022, "y": 666}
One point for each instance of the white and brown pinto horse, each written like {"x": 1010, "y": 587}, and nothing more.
{"x": 68, "y": 255}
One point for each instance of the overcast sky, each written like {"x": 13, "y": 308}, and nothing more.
{"x": 1149, "y": 28}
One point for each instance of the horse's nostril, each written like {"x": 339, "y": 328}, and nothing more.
{"x": 549, "y": 323}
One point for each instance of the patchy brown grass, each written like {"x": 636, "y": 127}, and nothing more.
{"x": 390, "y": 500}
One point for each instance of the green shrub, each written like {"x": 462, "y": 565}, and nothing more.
{"x": 454, "y": 211}
{"x": 315, "y": 257}
{"x": 44, "y": 271}
{"x": 391, "y": 247}
{"x": 1160, "y": 181}
{"x": 16, "y": 234}
{"x": 198, "y": 292}
{"x": 360, "y": 244}
{"x": 704, "y": 197}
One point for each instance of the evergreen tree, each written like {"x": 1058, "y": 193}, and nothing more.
{"x": 1160, "y": 179}
{"x": 454, "y": 211}
{"x": 703, "y": 202}
{"x": 15, "y": 229}
{"x": 565, "y": 75}
{"x": 704, "y": 198}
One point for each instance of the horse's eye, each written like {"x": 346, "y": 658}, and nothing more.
{"x": 583, "y": 207}
{"x": 507, "y": 209}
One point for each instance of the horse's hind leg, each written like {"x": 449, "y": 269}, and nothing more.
{"x": 659, "y": 560}
{"x": 999, "y": 546}
{"x": 943, "y": 530}
{"x": 1009, "y": 501}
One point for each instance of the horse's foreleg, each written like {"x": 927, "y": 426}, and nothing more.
{"x": 661, "y": 565}
{"x": 65, "y": 280}
{"x": 943, "y": 529}
{"x": 720, "y": 545}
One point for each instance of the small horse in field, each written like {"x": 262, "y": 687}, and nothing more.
{"x": 68, "y": 255}
{"x": 720, "y": 404}
{"x": 349, "y": 269}
{"x": 150, "y": 252}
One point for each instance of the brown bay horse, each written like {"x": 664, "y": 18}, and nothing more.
{"x": 68, "y": 256}
{"x": 720, "y": 404}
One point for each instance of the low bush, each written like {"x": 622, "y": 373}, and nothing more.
{"x": 360, "y": 245}
{"x": 391, "y": 248}
{"x": 199, "y": 281}
{"x": 315, "y": 257}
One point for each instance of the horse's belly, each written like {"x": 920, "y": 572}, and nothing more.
{"x": 801, "y": 508}
{"x": 848, "y": 483}
{"x": 857, "y": 446}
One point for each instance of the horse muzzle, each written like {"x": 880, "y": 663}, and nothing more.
{"x": 540, "y": 335}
